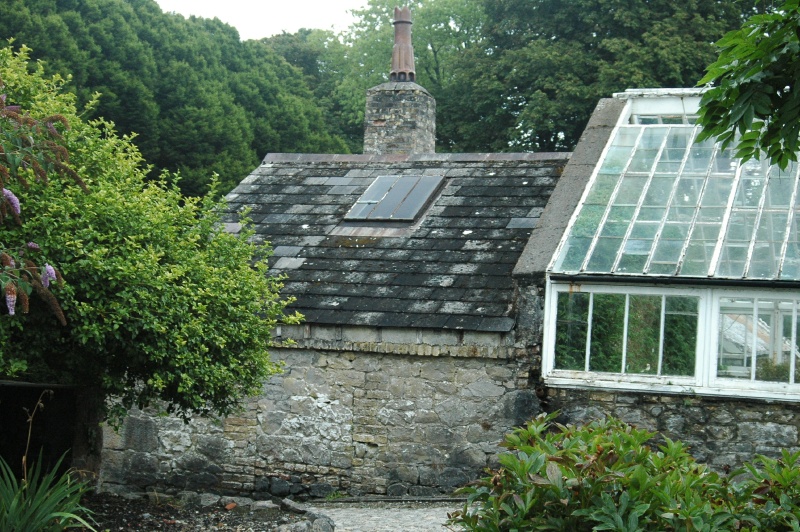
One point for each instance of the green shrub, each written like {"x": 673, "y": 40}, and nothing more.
{"x": 606, "y": 476}
{"x": 43, "y": 503}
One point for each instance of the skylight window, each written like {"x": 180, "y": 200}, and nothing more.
{"x": 398, "y": 198}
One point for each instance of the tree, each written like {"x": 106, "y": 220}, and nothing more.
{"x": 197, "y": 98}
{"x": 754, "y": 102}
{"x": 162, "y": 304}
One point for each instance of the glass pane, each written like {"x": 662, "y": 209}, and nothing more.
{"x": 796, "y": 350}
{"x": 588, "y": 220}
{"x": 378, "y": 189}
{"x": 663, "y": 268}
{"x": 688, "y": 191}
{"x": 644, "y": 230}
{"x": 572, "y": 254}
{"x": 680, "y": 335}
{"x": 572, "y": 323}
{"x": 659, "y": 190}
{"x": 643, "y": 160}
{"x": 632, "y": 263}
{"x": 630, "y": 190}
{"x": 651, "y": 214}
{"x": 396, "y": 195}
{"x": 779, "y": 191}
{"x": 616, "y": 159}
{"x": 604, "y": 255}
{"x": 699, "y": 159}
{"x": 418, "y": 198}
{"x": 775, "y": 338}
{"x": 678, "y": 139}
{"x": 644, "y": 330}
{"x": 602, "y": 189}
{"x": 360, "y": 211}
{"x": 608, "y": 313}
{"x": 698, "y": 257}
{"x": 732, "y": 260}
{"x": 736, "y": 337}
{"x": 749, "y": 192}
{"x": 791, "y": 262}
{"x": 371, "y": 197}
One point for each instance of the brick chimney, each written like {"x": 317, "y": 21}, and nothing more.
{"x": 400, "y": 117}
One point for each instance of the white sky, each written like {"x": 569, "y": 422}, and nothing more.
{"x": 262, "y": 18}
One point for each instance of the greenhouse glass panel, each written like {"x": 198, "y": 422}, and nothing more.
{"x": 607, "y": 334}
{"x": 662, "y": 205}
{"x": 571, "y": 330}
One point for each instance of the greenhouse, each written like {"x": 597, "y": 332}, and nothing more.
{"x": 679, "y": 270}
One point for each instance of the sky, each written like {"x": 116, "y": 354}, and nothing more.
{"x": 262, "y": 18}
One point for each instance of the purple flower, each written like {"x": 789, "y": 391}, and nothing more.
{"x": 12, "y": 200}
{"x": 49, "y": 274}
{"x": 34, "y": 246}
{"x": 11, "y": 298}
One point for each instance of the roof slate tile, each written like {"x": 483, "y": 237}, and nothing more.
{"x": 451, "y": 269}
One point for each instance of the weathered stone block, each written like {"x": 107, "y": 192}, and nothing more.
{"x": 771, "y": 433}
{"x": 140, "y": 434}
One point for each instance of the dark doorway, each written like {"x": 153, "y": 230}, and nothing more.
{"x": 52, "y": 430}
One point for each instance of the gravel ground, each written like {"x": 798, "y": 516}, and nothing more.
{"x": 113, "y": 513}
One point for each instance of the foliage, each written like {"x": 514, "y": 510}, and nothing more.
{"x": 754, "y": 103}
{"x": 507, "y": 75}
{"x": 198, "y": 99}
{"x": 44, "y": 502}
{"x": 606, "y": 476}
{"x": 29, "y": 148}
{"x": 162, "y": 303}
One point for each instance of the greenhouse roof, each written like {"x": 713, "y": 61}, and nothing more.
{"x": 660, "y": 204}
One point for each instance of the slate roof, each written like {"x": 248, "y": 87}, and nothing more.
{"x": 451, "y": 269}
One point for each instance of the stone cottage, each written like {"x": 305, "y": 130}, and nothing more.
{"x": 449, "y": 297}
{"x": 415, "y": 356}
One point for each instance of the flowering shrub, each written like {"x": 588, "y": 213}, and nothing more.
{"x": 162, "y": 303}
{"x": 30, "y": 149}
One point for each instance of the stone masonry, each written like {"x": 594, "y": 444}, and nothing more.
{"x": 400, "y": 414}
{"x": 400, "y": 118}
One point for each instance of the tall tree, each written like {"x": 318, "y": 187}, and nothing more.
{"x": 547, "y": 62}
{"x": 197, "y": 98}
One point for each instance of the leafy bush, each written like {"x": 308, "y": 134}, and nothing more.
{"x": 605, "y": 476}
{"x": 43, "y": 502}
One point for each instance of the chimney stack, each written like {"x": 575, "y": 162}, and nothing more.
{"x": 400, "y": 116}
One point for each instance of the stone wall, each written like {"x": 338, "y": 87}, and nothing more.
{"x": 356, "y": 421}
{"x": 722, "y": 432}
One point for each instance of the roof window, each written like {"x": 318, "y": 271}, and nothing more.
{"x": 395, "y": 198}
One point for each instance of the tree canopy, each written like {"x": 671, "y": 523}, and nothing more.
{"x": 507, "y": 75}
{"x": 161, "y": 303}
{"x": 198, "y": 99}
{"x": 754, "y": 101}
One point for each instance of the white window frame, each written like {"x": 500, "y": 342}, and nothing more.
{"x": 705, "y": 380}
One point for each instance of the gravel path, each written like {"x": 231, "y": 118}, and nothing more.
{"x": 388, "y": 517}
